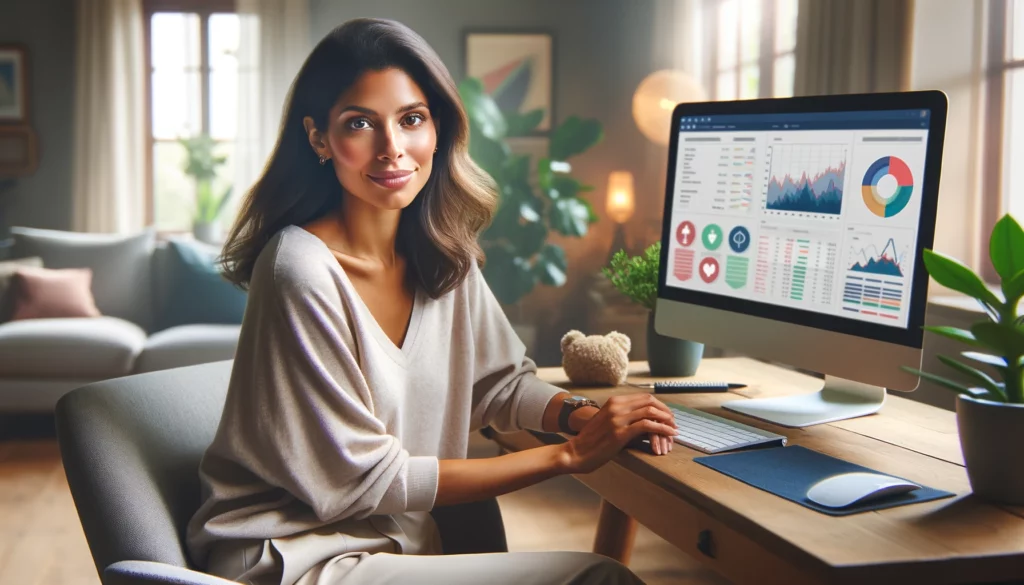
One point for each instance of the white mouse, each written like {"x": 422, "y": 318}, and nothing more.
{"x": 845, "y": 489}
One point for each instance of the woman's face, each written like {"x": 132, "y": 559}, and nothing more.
{"x": 380, "y": 139}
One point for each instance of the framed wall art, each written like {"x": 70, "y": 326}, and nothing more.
{"x": 516, "y": 69}
{"x": 13, "y": 85}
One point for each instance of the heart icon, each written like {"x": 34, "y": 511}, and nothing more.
{"x": 708, "y": 270}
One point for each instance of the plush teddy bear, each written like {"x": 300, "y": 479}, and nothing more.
{"x": 595, "y": 359}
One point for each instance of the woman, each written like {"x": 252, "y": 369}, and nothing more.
{"x": 371, "y": 346}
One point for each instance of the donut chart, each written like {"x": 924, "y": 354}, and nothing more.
{"x": 887, "y": 205}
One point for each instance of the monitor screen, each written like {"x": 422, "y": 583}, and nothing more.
{"x": 812, "y": 211}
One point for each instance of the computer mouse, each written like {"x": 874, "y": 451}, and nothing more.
{"x": 846, "y": 489}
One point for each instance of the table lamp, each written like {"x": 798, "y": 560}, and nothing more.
{"x": 619, "y": 207}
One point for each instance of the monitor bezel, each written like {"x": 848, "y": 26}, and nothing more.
{"x": 912, "y": 335}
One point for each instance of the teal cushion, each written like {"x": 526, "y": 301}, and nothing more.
{"x": 196, "y": 291}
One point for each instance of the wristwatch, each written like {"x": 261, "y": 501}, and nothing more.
{"x": 569, "y": 405}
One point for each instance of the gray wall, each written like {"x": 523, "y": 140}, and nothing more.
{"x": 46, "y": 28}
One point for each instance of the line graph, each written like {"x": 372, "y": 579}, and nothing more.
{"x": 806, "y": 179}
{"x": 885, "y": 263}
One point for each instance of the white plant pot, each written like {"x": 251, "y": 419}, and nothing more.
{"x": 207, "y": 232}
{"x": 991, "y": 437}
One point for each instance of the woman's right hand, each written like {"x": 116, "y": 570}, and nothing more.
{"x": 620, "y": 421}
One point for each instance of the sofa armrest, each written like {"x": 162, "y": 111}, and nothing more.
{"x": 150, "y": 573}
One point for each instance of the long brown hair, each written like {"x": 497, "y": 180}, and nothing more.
{"x": 437, "y": 232}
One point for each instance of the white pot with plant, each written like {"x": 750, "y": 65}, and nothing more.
{"x": 990, "y": 411}
{"x": 201, "y": 164}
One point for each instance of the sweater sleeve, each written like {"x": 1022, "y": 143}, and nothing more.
{"x": 507, "y": 393}
{"x": 310, "y": 426}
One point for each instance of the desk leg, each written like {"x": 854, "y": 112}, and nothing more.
{"x": 616, "y": 532}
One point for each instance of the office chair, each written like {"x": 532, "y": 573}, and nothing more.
{"x": 131, "y": 449}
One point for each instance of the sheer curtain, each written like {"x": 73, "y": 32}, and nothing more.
{"x": 853, "y": 46}
{"x": 273, "y": 42}
{"x": 109, "y": 160}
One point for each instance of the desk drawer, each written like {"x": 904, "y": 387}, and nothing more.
{"x": 696, "y": 533}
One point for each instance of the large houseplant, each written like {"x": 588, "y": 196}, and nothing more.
{"x": 536, "y": 198}
{"x": 201, "y": 164}
{"x": 990, "y": 410}
{"x": 637, "y": 279}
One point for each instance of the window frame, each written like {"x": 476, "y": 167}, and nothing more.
{"x": 999, "y": 65}
{"x": 766, "y": 58}
{"x": 204, "y": 9}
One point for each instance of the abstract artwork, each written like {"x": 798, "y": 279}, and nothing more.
{"x": 516, "y": 70}
{"x": 12, "y": 85}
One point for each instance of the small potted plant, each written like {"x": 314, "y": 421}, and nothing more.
{"x": 201, "y": 164}
{"x": 989, "y": 411}
{"x": 637, "y": 279}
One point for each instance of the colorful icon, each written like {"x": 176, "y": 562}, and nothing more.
{"x": 712, "y": 236}
{"x": 887, "y": 186}
{"x": 682, "y": 266}
{"x": 739, "y": 239}
{"x": 708, "y": 270}
{"x": 685, "y": 233}
{"x": 736, "y": 271}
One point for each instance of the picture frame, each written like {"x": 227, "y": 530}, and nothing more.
{"x": 19, "y": 155}
{"x": 517, "y": 69}
{"x": 13, "y": 84}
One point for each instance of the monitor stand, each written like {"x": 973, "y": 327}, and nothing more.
{"x": 839, "y": 399}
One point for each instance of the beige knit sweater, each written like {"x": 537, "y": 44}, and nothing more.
{"x": 329, "y": 426}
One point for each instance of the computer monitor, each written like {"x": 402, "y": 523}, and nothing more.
{"x": 793, "y": 232}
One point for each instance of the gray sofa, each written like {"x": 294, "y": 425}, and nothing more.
{"x": 42, "y": 359}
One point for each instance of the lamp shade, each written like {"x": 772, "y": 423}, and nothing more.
{"x": 656, "y": 97}
{"x": 620, "y": 203}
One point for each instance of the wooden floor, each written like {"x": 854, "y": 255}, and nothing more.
{"x": 41, "y": 540}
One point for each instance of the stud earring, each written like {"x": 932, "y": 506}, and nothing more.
{"x": 435, "y": 149}
{"x": 323, "y": 159}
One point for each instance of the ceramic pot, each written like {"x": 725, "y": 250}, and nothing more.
{"x": 991, "y": 436}
{"x": 207, "y": 232}
{"x": 669, "y": 357}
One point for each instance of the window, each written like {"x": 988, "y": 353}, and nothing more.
{"x": 1005, "y": 112}
{"x": 750, "y": 51}
{"x": 193, "y": 84}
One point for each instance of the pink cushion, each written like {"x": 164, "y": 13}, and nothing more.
{"x": 45, "y": 293}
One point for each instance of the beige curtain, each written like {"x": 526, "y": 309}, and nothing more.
{"x": 273, "y": 43}
{"x": 109, "y": 159}
{"x": 853, "y": 46}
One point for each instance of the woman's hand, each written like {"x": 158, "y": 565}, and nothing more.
{"x": 622, "y": 420}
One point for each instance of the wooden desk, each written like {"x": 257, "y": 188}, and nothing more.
{"x": 752, "y": 536}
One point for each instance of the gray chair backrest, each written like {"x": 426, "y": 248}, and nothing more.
{"x": 131, "y": 449}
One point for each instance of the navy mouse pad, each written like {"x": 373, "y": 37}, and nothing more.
{"x": 788, "y": 472}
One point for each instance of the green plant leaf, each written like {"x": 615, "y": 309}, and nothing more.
{"x": 523, "y": 124}
{"x": 592, "y": 215}
{"x": 1013, "y": 288}
{"x": 570, "y": 217}
{"x": 955, "y": 333}
{"x": 509, "y": 276}
{"x": 1006, "y": 339}
{"x": 1006, "y": 247}
{"x": 482, "y": 111}
{"x": 952, "y": 274}
{"x": 545, "y": 176}
{"x": 987, "y": 359}
{"x": 551, "y": 265}
{"x": 573, "y": 136}
{"x": 528, "y": 238}
{"x": 986, "y": 381}
{"x": 945, "y": 383}
{"x": 489, "y": 154}
{"x": 564, "y": 186}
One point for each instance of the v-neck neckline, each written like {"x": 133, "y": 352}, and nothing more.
{"x": 399, "y": 353}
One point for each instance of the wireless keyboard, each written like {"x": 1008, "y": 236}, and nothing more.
{"x": 714, "y": 434}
